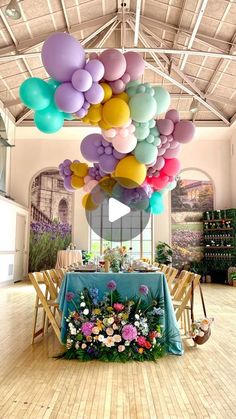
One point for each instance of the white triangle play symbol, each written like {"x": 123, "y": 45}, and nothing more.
{"x": 116, "y": 210}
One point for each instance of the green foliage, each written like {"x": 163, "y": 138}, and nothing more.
{"x": 163, "y": 253}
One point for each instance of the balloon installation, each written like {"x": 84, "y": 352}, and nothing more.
{"x": 135, "y": 152}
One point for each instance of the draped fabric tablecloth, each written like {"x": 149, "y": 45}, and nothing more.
{"x": 127, "y": 285}
{"x": 67, "y": 257}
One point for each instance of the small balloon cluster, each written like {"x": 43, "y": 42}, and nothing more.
{"x": 134, "y": 157}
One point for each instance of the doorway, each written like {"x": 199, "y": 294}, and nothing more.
{"x": 20, "y": 250}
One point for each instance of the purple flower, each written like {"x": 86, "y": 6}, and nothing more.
{"x": 129, "y": 332}
{"x": 143, "y": 289}
{"x": 87, "y": 328}
{"x": 111, "y": 285}
{"x": 69, "y": 296}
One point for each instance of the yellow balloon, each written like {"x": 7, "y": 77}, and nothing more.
{"x": 102, "y": 124}
{"x": 115, "y": 112}
{"x": 130, "y": 173}
{"x": 107, "y": 92}
{"x": 79, "y": 169}
{"x": 77, "y": 182}
{"x": 123, "y": 96}
{"x": 107, "y": 183}
{"x": 85, "y": 119}
{"x": 88, "y": 203}
{"x": 94, "y": 113}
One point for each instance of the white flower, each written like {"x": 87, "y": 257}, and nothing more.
{"x": 70, "y": 325}
{"x": 86, "y": 311}
{"x": 73, "y": 331}
{"x": 136, "y": 324}
{"x": 127, "y": 343}
{"x": 77, "y": 345}
{"x": 136, "y": 316}
{"x": 100, "y": 338}
{"x": 201, "y": 333}
{"x": 82, "y": 304}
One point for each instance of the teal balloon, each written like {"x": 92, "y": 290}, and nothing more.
{"x": 156, "y": 204}
{"x": 145, "y": 153}
{"x": 35, "y": 93}
{"x": 53, "y": 84}
{"x": 49, "y": 120}
{"x": 68, "y": 116}
{"x": 162, "y": 98}
{"x": 143, "y": 107}
{"x": 141, "y": 132}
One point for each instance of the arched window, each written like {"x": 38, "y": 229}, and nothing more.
{"x": 63, "y": 211}
{"x": 193, "y": 195}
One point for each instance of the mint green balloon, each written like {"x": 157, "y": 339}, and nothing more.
{"x": 67, "y": 116}
{"x": 162, "y": 98}
{"x": 141, "y": 132}
{"x": 35, "y": 93}
{"x": 143, "y": 107}
{"x": 49, "y": 120}
{"x": 145, "y": 153}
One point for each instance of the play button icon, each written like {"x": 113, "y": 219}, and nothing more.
{"x": 116, "y": 210}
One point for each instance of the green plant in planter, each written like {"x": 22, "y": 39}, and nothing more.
{"x": 198, "y": 267}
{"x": 86, "y": 256}
{"x": 233, "y": 278}
{"x": 163, "y": 253}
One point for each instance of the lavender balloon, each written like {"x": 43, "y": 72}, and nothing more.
{"x": 82, "y": 80}
{"x": 67, "y": 184}
{"x": 95, "y": 94}
{"x": 108, "y": 163}
{"x": 89, "y": 147}
{"x": 96, "y": 69}
{"x": 62, "y": 55}
{"x": 68, "y": 99}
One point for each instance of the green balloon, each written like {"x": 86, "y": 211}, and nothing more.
{"x": 145, "y": 153}
{"x": 156, "y": 203}
{"x": 35, "y": 93}
{"x": 141, "y": 132}
{"x": 67, "y": 116}
{"x": 49, "y": 120}
{"x": 142, "y": 107}
{"x": 53, "y": 84}
{"x": 162, "y": 98}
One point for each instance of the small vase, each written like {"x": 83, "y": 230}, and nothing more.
{"x": 107, "y": 266}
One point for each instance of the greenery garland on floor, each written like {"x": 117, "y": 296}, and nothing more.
{"x": 115, "y": 329}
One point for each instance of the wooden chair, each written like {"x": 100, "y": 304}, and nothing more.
{"x": 179, "y": 282}
{"x": 60, "y": 272}
{"x": 54, "y": 278}
{"x": 182, "y": 301}
{"x": 171, "y": 274}
{"x": 42, "y": 301}
{"x": 163, "y": 268}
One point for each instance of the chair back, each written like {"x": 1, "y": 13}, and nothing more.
{"x": 192, "y": 281}
{"x": 163, "y": 267}
{"x": 53, "y": 282}
{"x": 179, "y": 282}
{"x": 170, "y": 276}
{"x": 60, "y": 273}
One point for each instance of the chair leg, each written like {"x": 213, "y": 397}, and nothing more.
{"x": 35, "y": 319}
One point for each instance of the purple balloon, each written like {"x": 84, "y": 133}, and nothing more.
{"x": 118, "y": 155}
{"x": 95, "y": 94}
{"x": 67, "y": 184}
{"x": 184, "y": 131}
{"x": 81, "y": 80}
{"x": 81, "y": 113}
{"x": 173, "y": 115}
{"x": 165, "y": 126}
{"x": 86, "y": 105}
{"x": 172, "y": 152}
{"x": 108, "y": 163}
{"x": 62, "y": 55}
{"x": 96, "y": 69}
{"x": 89, "y": 147}
{"x": 66, "y": 162}
{"x": 161, "y": 151}
{"x": 68, "y": 99}
{"x": 67, "y": 171}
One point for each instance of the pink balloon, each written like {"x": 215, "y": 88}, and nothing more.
{"x": 164, "y": 139}
{"x": 174, "y": 144}
{"x": 117, "y": 86}
{"x": 170, "y": 138}
{"x": 90, "y": 185}
{"x": 184, "y": 131}
{"x": 165, "y": 126}
{"x": 110, "y": 133}
{"x": 131, "y": 129}
{"x": 114, "y": 63}
{"x": 87, "y": 179}
{"x": 160, "y": 182}
{"x": 135, "y": 65}
{"x": 124, "y": 132}
{"x": 125, "y": 78}
{"x": 172, "y": 167}
{"x": 172, "y": 152}
{"x": 173, "y": 115}
{"x": 68, "y": 99}
{"x": 124, "y": 144}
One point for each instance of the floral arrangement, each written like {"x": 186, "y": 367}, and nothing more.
{"x": 114, "y": 329}
{"x": 199, "y": 327}
{"x": 117, "y": 256}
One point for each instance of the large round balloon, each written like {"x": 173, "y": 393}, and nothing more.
{"x": 171, "y": 152}
{"x": 173, "y": 115}
{"x": 116, "y": 112}
{"x": 88, "y": 203}
{"x": 130, "y": 173}
{"x": 172, "y": 167}
{"x": 124, "y": 144}
{"x": 49, "y": 120}
{"x": 89, "y": 147}
{"x": 184, "y": 131}
{"x": 68, "y": 99}
{"x": 114, "y": 64}
{"x": 145, "y": 153}
{"x": 62, "y": 55}
{"x": 135, "y": 65}
{"x": 162, "y": 98}
{"x": 35, "y": 93}
{"x": 165, "y": 126}
{"x": 142, "y": 107}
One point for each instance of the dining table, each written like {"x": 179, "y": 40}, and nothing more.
{"x": 66, "y": 257}
{"x": 127, "y": 285}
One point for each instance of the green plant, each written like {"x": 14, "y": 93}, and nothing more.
{"x": 233, "y": 276}
{"x": 86, "y": 256}
{"x": 163, "y": 253}
{"x": 198, "y": 267}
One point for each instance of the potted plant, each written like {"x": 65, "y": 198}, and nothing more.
{"x": 163, "y": 253}
{"x": 233, "y": 278}
{"x": 199, "y": 267}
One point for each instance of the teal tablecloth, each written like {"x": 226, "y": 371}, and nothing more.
{"x": 127, "y": 286}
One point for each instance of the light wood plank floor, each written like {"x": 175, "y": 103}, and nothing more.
{"x": 33, "y": 384}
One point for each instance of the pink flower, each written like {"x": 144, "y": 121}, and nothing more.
{"x": 143, "y": 289}
{"x": 87, "y": 328}
{"x": 118, "y": 306}
{"x": 111, "y": 285}
{"x": 141, "y": 341}
{"x": 121, "y": 348}
{"x": 129, "y": 332}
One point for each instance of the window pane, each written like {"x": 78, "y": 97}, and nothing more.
{"x": 147, "y": 246}
{"x": 147, "y": 234}
{"x": 135, "y": 246}
{"x": 95, "y": 247}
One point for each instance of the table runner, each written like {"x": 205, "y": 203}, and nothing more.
{"x": 127, "y": 286}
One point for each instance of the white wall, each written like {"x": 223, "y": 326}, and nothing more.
{"x": 34, "y": 151}
{"x": 8, "y": 213}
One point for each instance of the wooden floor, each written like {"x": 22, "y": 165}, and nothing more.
{"x": 33, "y": 384}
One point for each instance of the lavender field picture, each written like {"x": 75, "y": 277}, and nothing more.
{"x": 188, "y": 201}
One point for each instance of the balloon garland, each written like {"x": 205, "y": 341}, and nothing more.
{"x": 135, "y": 156}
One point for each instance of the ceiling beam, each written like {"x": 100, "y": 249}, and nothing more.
{"x": 22, "y": 115}
{"x": 194, "y": 32}
{"x": 63, "y": 6}
{"x": 137, "y": 21}
{"x": 207, "y": 105}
